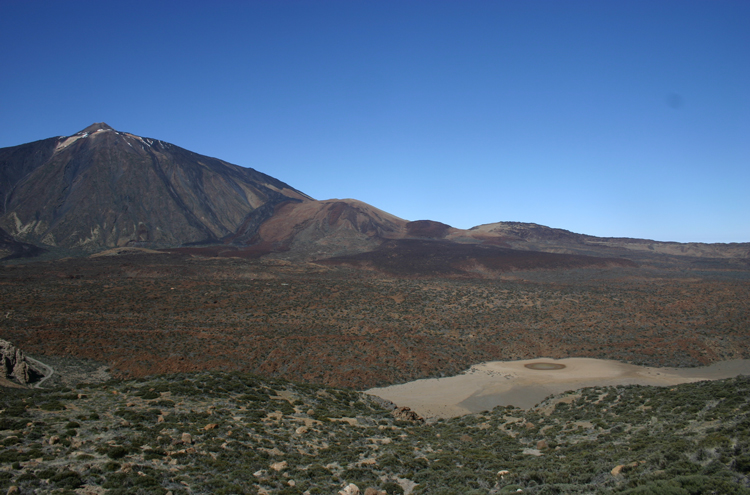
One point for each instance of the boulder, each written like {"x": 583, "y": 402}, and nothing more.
{"x": 351, "y": 489}
{"x": 406, "y": 414}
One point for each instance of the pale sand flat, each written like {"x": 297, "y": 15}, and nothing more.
{"x": 502, "y": 383}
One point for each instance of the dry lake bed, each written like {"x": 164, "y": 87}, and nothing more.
{"x": 525, "y": 383}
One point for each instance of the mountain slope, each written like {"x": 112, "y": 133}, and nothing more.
{"x": 101, "y": 188}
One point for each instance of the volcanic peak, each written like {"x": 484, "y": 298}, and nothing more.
{"x": 100, "y": 188}
{"x": 97, "y": 126}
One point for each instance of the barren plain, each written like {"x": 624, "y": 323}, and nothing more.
{"x": 143, "y": 314}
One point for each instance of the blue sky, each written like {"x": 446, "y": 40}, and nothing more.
{"x": 610, "y": 118}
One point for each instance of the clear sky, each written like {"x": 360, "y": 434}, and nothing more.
{"x": 612, "y": 118}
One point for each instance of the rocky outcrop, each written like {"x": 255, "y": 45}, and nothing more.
{"x": 15, "y": 365}
{"x": 406, "y": 414}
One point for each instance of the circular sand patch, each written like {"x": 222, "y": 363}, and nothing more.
{"x": 544, "y": 366}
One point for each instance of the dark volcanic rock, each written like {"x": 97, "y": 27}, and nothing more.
{"x": 427, "y": 228}
{"x": 102, "y": 188}
{"x": 416, "y": 257}
{"x": 11, "y": 248}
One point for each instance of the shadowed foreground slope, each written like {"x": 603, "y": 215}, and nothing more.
{"x": 219, "y": 433}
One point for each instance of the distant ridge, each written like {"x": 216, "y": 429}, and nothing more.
{"x": 519, "y": 235}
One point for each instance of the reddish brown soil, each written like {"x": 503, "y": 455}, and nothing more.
{"x": 145, "y": 314}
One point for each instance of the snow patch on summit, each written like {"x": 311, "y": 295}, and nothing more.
{"x": 68, "y": 141}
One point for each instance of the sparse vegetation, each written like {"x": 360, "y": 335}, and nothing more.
{"x": 170, "y": 424}
{"x": 217, "y": 432}
{"x": 149, "y": 314}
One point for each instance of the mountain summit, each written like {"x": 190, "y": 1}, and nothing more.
{"x": 97, "y": 126}
{"x": 102, "y": 188}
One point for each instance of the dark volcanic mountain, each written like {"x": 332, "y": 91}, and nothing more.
{"x": 102, "y": 188}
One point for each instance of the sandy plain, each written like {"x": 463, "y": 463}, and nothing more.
{"x": 502, "y": 383}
